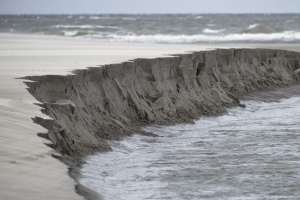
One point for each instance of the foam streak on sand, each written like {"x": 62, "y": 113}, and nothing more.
{"x": 27, "y": 168}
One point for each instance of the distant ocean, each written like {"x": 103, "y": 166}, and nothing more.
{"x": 178, "y": 28}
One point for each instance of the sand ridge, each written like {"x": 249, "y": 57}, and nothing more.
{"x": 113, "y": 101}
{"x": 27, "y": 169}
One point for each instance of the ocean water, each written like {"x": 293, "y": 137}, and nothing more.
{"x": 248, "y": 153}
{"x": 183, "y": 28}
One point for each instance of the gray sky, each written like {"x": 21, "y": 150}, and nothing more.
{"x": 147, "y": 6}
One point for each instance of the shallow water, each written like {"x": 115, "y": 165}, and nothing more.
{"x": 248, "y": 153}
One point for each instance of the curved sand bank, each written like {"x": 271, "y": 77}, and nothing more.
{"x": 27, "y": 169}
{"x": 109, "y": 102}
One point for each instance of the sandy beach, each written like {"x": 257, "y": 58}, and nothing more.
{"x": 27, "y": 170}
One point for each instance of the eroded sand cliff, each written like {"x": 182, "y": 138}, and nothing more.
{"x": 112, "y": 101}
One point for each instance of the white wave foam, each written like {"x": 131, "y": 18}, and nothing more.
{"x": 129, "y": 18}
{"x": 210, "y": 24}
{"x": 70, "y": 33}
{"x": 198, "y": 17}
{"x": 252, "y": 26}
{"x": 207, "y": 30}
{"x": 285, "y": 36}
{"x": 258, "y": 28}
{"x": 84, "y": 26}
{"x": 94, "y": 17}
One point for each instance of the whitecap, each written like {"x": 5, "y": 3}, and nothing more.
{"x": 198, "y": 17}
{"x": 253, "y": 26}
{"x": 159, "y": 38}
{"x": 258, "y": 28}
{"x": 84, "y": 26}
{"x": 129, "y": 18}
{"x": 77, "y": 26}
{"x": 94, "y": 17}
{"x": 210, "y": 24}
{"x": 70, "y": 33}
{"x": 70, "y": 16}
{"x": 207, "y": 30}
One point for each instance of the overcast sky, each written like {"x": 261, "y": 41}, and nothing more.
{"x": 147, "y": 6}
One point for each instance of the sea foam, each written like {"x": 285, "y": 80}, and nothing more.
{"x": 160, "y": 38}
{"x": 207, "y": 30}
{"x": 84, "y": 26}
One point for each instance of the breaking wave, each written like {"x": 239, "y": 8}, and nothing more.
{"x": 198, "y": 17}
{"x": 207, "y": 30}
{"x": 160, "y": 28}
{"x": 258, "y": 28}
{"x": 84, "y": 27}
{"x": 94, "y": 17}
{"x": 129, "y": 18}
{"x": 243, "y": 37}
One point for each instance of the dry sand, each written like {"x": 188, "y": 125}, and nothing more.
{"x": 27, "y": 170}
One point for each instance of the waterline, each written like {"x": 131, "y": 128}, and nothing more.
{"x": 248, "y": 153}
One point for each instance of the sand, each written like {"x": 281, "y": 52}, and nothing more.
{"x": 27, "y": 170}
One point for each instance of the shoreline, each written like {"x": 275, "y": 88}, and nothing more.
{"x": 23, "y": 154}
{"x": 32, "y": 56}
{"x": 113, "y": 101}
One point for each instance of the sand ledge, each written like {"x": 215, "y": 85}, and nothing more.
{"x": 27, "y": 167}
{"x": 113, "y": 101}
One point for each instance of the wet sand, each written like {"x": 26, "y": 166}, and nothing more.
{"x": 27, "y": 170}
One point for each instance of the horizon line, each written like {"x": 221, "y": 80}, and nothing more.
{"x": 208, "y": 13}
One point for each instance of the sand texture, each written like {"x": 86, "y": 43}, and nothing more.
{"x": 111, "y": 101}
{"x": 27, "y": 169}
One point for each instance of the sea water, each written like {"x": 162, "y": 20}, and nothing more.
{"x": 163, "y": 28}
{"x": 247, "y": 153}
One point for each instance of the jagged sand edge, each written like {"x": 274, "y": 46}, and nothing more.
{"x": 28, "y": 170}
{"x": 114, "y": 101}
